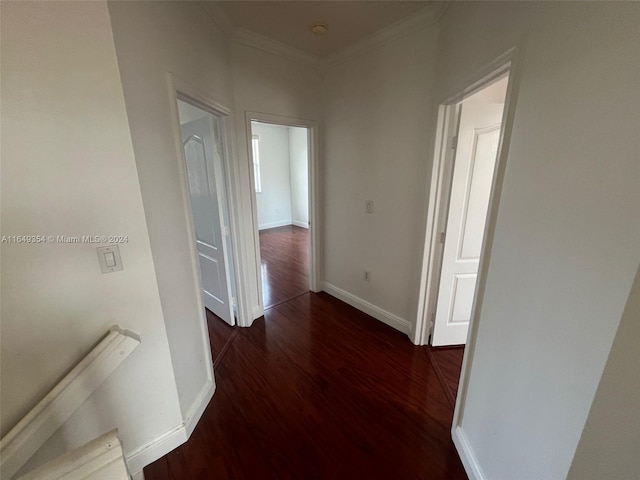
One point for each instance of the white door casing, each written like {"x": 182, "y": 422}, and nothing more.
{"x": 314, "y": 193}
{"x": 202, "y": 151}
{"x": 475, "y": 159}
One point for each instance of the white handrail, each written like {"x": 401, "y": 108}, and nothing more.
{"x": 35, "y": 428}
{"x": 100, "y": 459}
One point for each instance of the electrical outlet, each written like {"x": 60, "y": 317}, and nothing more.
{"x": 369, "y": 206}
{"x": 367, "y": 276}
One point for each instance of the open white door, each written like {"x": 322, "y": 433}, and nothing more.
{"x": 475, "y": 159}
{"x": 202, "y": 151}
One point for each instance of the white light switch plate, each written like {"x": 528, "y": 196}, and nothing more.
{"x": 109, "y": 258}
{"x": 369, "y": 206}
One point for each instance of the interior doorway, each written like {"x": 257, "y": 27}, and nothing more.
{"x": 280, "y": 158}
{"x": 204, "y": 150}
{"x": 468, "y": 168}
{"x": 463, "y": 182}
{"x": 475, "y": 152}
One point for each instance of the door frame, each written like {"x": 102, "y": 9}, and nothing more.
{"x": 314, "y": 192}
{"x": 509, "y": 62}
{"x": 448, "y": 119}
{"x": 181, "y": 90}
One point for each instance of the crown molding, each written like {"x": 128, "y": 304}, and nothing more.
{"x": 429, "y": 15}
{"x": 259, "y": 42}
{"x": 266, "y": 44}
{"x": 216, "y": 13}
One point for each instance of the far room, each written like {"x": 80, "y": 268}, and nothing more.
{"x": 281, "y": 184}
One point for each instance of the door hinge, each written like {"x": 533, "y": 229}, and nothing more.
{"x": 432, "y": 321}
{"x": 234, "y": 301}
{"x": 225, "y": 231}
{"x": 454, "y": 142}
{"x": 218, "y": 149}
{"x": 442, "y": 236}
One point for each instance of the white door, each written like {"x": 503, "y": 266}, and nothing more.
{"x": 475, "y": 159}
{"x": 202, "y": 151}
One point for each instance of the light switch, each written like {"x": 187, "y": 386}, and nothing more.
{"x": 109, "y": 259}
{"x": 369, "y": 206}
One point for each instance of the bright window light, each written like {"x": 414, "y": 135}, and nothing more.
{"x": 255, "y": 143}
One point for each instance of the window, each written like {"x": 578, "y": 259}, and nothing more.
{"x": 255, "y": 144}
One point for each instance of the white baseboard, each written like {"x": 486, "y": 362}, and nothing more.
{"x": 257, "y": 311}
{"x": 376, "y": 312}
{"x": 199, "y": 405}
{"x": 468, "y": 458}
{"x": 138, "y": 476}
{"x": 156, "y": 448}
{"x": 298, "y": 223}
{"x": 280, "y": 223}
{"x": 163, "y": 444}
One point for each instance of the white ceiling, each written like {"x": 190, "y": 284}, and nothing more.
{"x": 290, "y": 22}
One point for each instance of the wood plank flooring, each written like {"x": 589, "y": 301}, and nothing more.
{"x": 318, "y": 390}
{"x": 447, "y": 362}
{"x": 285, "y": 263}
{"x": 219, "y": 333}
{"x": 285, "y": 274}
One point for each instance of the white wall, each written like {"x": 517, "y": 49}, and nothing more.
{"x": 152, "y": 39}
{"x": 274, "y": 201}
{"x": 266, "y": 83}
{"x": 299, "y": 169}
{"x": 68, "y": 169}
{"x": 567, "y": 237}
{"x": 284, "y": 199}
{"x": 610, "y": 440}
{"x": 378, "y": 122}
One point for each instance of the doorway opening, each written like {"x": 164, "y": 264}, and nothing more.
{"x": 203, "y": 142}
{"x": 467, "y": 169}
{"x": 475, "y": 148}
{"x": 280, "y": 158}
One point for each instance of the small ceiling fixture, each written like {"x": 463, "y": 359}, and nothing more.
{"x": 319, "y": 28}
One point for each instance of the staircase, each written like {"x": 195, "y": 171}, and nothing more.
{"x": 100, "y": 457}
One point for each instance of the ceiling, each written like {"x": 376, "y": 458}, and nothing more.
{"x": 290, "y": 22}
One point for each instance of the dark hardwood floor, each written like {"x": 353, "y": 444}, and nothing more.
{"x": 318, "y": 390}
{"x": 285, "y": 263}
{"x": 220, "y": 335}
{"x": 285, "y": 275}
{"x": 447, "y": 362}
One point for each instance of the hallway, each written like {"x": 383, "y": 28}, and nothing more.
{"x": 317, "y": 389}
